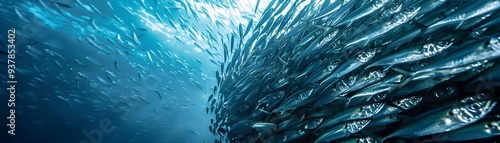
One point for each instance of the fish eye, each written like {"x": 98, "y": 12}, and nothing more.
{"x": 451, "y": 113}
{"x": 474, "y": 106}
{"x": 489, "y": 125}
{"x": 449, "y": 88}
{"x": 398, "y": 102}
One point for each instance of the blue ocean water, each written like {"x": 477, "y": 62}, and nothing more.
{"x": 161, "y": 71}
{"x": 108, "y": 71}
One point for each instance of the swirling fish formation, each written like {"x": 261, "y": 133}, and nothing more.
{"x": 361, "y": 71}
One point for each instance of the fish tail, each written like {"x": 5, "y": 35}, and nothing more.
{"x": 407, "y": 74}
{"x": 347, "y": 104}
{"x": 403, "y": 83}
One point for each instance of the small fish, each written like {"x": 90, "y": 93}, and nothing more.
{"x": 354, "y": 113}
{"x": 401, "y": 105}
{"x": 61, "y": 4}
{"x": 342, "y": 130}
{"x": 136, "y": 40}
{"x": 96, "y": 10}
{"x": 441, "y": 120}
{"x": 93, "y": 61}
{"x": 110, "y": 6}
{"x": 412, "y": 54}
{"x": 149, "y": 56}
{"x": 116, "y": 65}
{"x": 478, "y": 130}
{"x": 156, "y": 91}
{"x": 257, "y": 6}
{"x": 480, "y": 50}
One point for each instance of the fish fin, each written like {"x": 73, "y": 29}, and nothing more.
{"x": 420, "y": 26}
{"x": 291, "y": 77}
{"x": 346, "y": 137}
{"x": 323, "y": 26}
{"x": 345, "y": 24}
{"x": 404, "y": 72}
{"x": 458, "y": 26}
{"x": 278, "y": 110}
{"x": 267, "y": 112}
{"x": 347, "y": 100}
{"x": 403, "y": 83}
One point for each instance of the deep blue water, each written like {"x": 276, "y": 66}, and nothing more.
{"x": 147, "y": 91}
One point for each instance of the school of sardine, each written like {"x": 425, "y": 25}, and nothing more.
{"x": 361, "y": 71}
{"x": 296, "y": 71}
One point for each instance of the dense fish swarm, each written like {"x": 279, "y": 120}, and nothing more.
{"x": 361, "y": 71}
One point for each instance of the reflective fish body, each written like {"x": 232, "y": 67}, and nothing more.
{"x": 413, "y": 54}
{"x": 338, "y": 90}
{"x": 354, "y": 113}
{"x": 361, "y": 58}
{"x": 403, "y": 104}
{"x": 401, "y": 18}
{"x": 367, "y": 79}
{"x": 441, "y": 120}
{"x": 478, "y": 130}
{"x": 374, "y": 91}
{"x": 473, "y": 10}
{"x": 342, "y": 130}
{"x": 482, "y": 50}
{"x": 300, "y": 98}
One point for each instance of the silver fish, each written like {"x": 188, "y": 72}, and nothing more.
{"x": 353, "y": 113}
{"x": 342, "y": 130}
{"x": 447, "y": 119}
{"x": 475, "y": 52}
{"x": 478, "y": 130}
